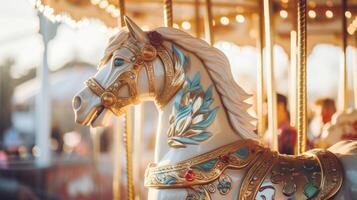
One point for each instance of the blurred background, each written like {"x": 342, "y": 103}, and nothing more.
{"x": 48, "y": 48}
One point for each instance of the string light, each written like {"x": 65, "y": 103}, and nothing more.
{"x": 186, "y": 25}
{"x": 329, "y": 14}
{"x": 49, "y": 13}
{"x": 348, "y": 14}
{"x": 312, "y": 14}
{"x": 224, "y": 20}
{"x": 240, "y": 18}
{"x": 283, "y": 14}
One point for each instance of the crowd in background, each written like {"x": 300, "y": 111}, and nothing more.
{"x": 320, "y": 114}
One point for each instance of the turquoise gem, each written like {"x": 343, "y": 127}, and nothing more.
{"x": 206, "y": 166}
{"x": 118, "y": 62}
{"x": 242, "y": 153}
{"x": 310, "y": 190}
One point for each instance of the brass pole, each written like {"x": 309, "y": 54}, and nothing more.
{"x": 301, "y": 64}
{"x": 117, "y": 149}
{"x": 121, "y": 12}
{"x": 355, "y": 74}
{"x": 168, "y": 13}
{"x": 209, "y": 23}
{"x": 292, "y": 79}
{"x": 271, "y": 94}
{"x": 260, "y": 74}
{"x": 344, "y": 84}
{"x": 197, "y": 18}
{"x": 128, "y": 142}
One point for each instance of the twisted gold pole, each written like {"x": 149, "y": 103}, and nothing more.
{"x": 271, "y": 94}
{"x": 197, "y": 18}
{"x": 121, "y": 13}
{"x": 301, "y": 64}
{"x": 209, "y": 23}
{"x": 127, "y": 131}
{"x": 128, "y": 142}
{"x": 260, "y": 74}
{"x": 168, "y": 13}
{"x": 344, "y": 84}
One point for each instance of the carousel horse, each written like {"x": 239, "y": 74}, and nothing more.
{"x": 342, "y": 127}
{"x": 205, "y": 146}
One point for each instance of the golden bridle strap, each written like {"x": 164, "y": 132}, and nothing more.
{"x": 144, "y": 57}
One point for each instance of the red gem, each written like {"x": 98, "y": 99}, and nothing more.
{"x": 190, "y": 175}
{"x": 224, "y": 158}
{"x": 155, "y": 38}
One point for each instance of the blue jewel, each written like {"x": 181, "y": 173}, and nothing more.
{"x": 242, "y": 153}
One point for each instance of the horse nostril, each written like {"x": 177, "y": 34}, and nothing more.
{"x": 77, "y": 102}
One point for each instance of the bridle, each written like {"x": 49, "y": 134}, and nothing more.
{"x": 144, "y": 55}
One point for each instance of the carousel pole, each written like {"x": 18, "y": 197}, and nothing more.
{"x": 197, "y": 18}
{"x": 301, "y": 89}
{"x": 117, "y": 150}
{"x": 168, "y": 14}
{"x": 260, "y": 74}
{"x": 344, "y": 85}
{"x": 209, "y": 23}
{"x": 292, "y": 78}
{"x": 271, "y": 94}
{"x": 355, "y": 74}
{"x": 128, "y": 140}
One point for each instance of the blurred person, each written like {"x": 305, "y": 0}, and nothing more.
{"x": 323, "y": 110}
{"x": 56, "y": 139}
{"x": 286, "y": 134}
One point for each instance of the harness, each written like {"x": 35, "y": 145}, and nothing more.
{"x": 316, "y": 175}
{"x": 144, "y": 56}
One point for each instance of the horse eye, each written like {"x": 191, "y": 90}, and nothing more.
{"x": 118, "y": 62}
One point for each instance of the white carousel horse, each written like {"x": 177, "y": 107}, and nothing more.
{"x": 205, "y": 146}
{"x": 342, "y": 127}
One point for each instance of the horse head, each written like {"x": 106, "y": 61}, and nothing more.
{"x": 137, "y": 65}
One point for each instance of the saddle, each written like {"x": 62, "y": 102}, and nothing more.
{"x": 316, "y": 174}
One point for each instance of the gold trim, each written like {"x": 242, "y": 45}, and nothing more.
{"x": 151, "y": 77}
{"x": 221, "y": 158}
{"x": 331, "y": 173}
{"x": 256, "y": 175}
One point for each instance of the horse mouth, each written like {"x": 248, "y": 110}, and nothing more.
{"x": 95, "y": 115}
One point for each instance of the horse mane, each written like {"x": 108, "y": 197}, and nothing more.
{"x": 232, "y": 95}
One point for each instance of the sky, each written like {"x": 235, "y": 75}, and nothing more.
{"x": 19, "y": 39}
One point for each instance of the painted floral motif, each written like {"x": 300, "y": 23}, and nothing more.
{"x": 224, "y": 184}
{"x": 203, "y": 192}
{"x": 191, "y": 114}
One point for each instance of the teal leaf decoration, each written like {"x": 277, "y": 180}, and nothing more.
{"x": 242, "y": 152}
{"x": 166, "y": 179}
{"x": 208, "y": 121}
{"x": 184, "y": 140}
{"x": 191, "y": 114}
{"x": 206, "y": 166}
{"x": 180, "y": 55}
{"x": 208, "y": 93}
{"x": 185, "y": 111}
{"x": 178, "y": 98}
{"x": 196, "y": 80}
{"x": 201, "y": 136}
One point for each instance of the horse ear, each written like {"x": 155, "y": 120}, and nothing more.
{"x": 135, "y": 30}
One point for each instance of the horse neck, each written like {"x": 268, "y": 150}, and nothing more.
{"x": 221, "y": 130}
